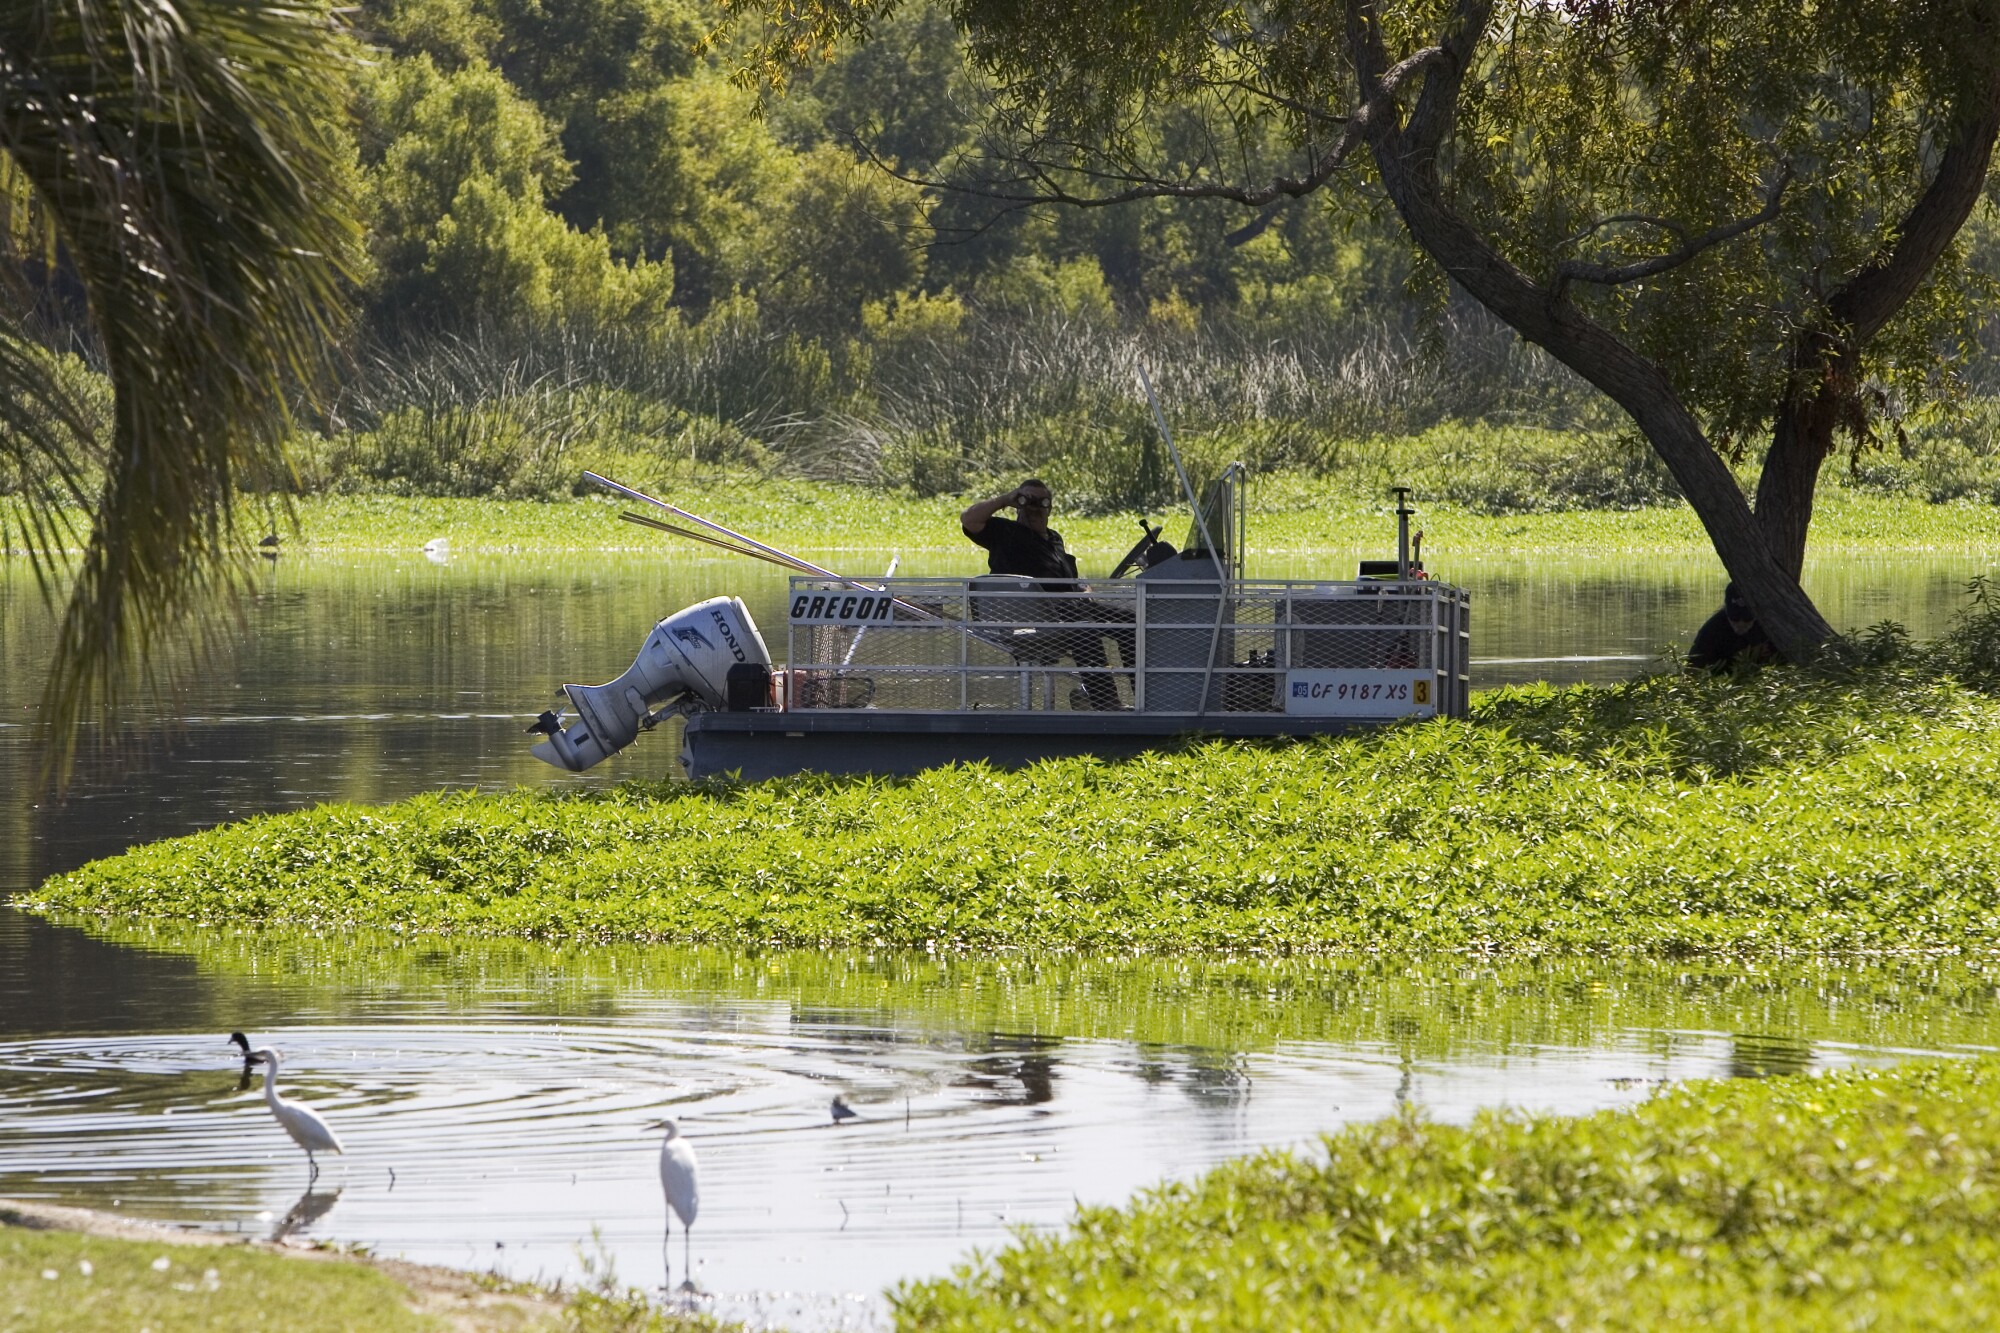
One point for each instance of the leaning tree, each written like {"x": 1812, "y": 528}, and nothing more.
{"x": 178, "y": 168}
{"x": 1738, "y": 221}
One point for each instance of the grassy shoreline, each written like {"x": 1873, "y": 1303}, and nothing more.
{"x": 1293, "y": 517}
{"x": 1852, "y": 1200}
{"x": 76, "y": 1270}
{"x": 1787, "y": 814}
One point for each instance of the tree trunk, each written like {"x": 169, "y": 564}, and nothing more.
{"x": 1825, "y": 363}
{"x": 1406, "y": 158}
{"x": 1800, "y": 444}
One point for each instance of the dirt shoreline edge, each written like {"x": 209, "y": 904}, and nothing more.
{"x": 463, "y": 1301}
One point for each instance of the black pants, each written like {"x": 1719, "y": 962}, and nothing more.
{"x": 1085, "y": 647}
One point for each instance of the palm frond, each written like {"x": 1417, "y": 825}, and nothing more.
{"x": 184, "y": 158}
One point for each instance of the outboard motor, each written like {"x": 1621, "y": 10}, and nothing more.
{"x": 685, "y": 662}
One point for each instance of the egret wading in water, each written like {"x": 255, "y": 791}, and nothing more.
{"x": 681, "y": 1180}
{"x": 307, "y": 1128}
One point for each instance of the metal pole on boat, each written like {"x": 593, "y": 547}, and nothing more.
{"x": 771, "y": 551}
{"x": 1194, "y": 501}
{"x": 862, "y": 633}
{"x": 705, "y": 539}
{"x": 1403, "y": 513}
{"x": 1207, "y": 541}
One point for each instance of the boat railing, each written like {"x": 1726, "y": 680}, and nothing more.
{"x": 1159, "y": 644}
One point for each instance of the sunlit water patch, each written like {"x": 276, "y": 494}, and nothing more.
{"x": 507, "y": 1085}
{"x": 494, "y": 1098}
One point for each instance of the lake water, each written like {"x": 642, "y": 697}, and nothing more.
{"x": 494, "y": 1096}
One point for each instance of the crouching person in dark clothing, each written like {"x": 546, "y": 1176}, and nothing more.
{"x": 1730, "y": 636}
{"x": 1027, "y": 546}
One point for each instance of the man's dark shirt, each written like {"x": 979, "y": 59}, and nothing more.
{"x": 1013, "y": 547}
{"x": 1717, "y": 645}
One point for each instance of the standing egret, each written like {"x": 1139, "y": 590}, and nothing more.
{"x": 682, "y": 1182}
{"x": 303, "y": 1123}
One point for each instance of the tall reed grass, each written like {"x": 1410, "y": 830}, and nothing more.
{"x": 951, "y": 398}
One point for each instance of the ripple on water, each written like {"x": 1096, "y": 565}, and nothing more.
{"x": 522, "y": 1146}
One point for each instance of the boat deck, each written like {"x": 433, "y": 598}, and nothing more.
{"x": 907, "y": 674}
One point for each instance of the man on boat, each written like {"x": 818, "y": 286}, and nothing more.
{"x": 1028, "y": 547}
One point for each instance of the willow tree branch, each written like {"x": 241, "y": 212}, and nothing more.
{"x": 1608, "y": 275}
{"x": 1046, "y": 187}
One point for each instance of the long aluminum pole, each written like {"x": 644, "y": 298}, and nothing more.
{"x": 705, "y": 539}
{"x": 1194, "y": 501}
{"x": 862, "y": 633}
{"x": 751, "y": 542}
{"x": 1201, "y": 521}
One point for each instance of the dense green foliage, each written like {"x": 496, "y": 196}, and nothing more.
{"x": 1852, "y": 1200}
{"x": 1673, "y": 816}
{"x": 591, "y": 246}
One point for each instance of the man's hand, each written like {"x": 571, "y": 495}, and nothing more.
{"x": 973, "y": 520}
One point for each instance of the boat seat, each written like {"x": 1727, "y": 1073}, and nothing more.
{"x": 1029, "y": 647}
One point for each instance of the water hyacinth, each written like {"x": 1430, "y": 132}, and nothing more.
{"x": 1791, "y": 813}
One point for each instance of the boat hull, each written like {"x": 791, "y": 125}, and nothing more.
{"x": 759, "y": 745}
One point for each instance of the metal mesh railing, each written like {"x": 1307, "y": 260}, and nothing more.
{"x": 1157, "y": 644}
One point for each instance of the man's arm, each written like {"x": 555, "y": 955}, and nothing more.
{"x": 973, "y": 520}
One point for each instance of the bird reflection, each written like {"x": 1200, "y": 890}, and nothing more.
{"x": 311, "y": 1207}
{"x": 1019, "y": 1060}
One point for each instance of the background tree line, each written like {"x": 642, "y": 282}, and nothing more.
{"x": 588, "y": 243}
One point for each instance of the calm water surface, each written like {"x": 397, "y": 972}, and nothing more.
{"x": 493, "y": 1096}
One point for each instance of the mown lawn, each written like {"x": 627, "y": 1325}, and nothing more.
{"x": 1293, "y": 517}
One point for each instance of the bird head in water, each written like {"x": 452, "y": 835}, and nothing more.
{"x": 249, "y": 1057}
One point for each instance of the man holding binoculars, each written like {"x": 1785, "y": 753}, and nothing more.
{"x": 1028, "y": 547}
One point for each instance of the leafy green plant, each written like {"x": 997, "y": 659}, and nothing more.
{"x": 1849, "y": 1200}
{"x": 1785, "y": 814}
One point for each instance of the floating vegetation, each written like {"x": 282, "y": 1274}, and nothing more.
{"x": 1789, "y": 813}
{"x": 1860, "y": 1199}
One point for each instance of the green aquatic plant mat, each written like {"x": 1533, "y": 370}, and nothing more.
{"x": 1785, "y": 815}
{"x": 1858, "y": 1200}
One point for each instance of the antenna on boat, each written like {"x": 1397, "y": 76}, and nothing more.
{"x": 1403, "y": 515}
{"x": 1194, "y": 501}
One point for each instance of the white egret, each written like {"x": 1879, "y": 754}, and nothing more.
{"x": 680, "y": 1178}
{"x": 304, "y": 1124}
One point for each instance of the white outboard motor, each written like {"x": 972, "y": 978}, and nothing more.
{"x": 687, "y": 654}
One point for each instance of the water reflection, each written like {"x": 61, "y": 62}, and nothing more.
{"x": 496, "y": 1097}
{"x": 1767, "y": 1056}
{"x": 312, "y": 1206}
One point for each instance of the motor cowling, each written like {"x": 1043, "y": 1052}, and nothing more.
{"x": 687, "y": 654}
